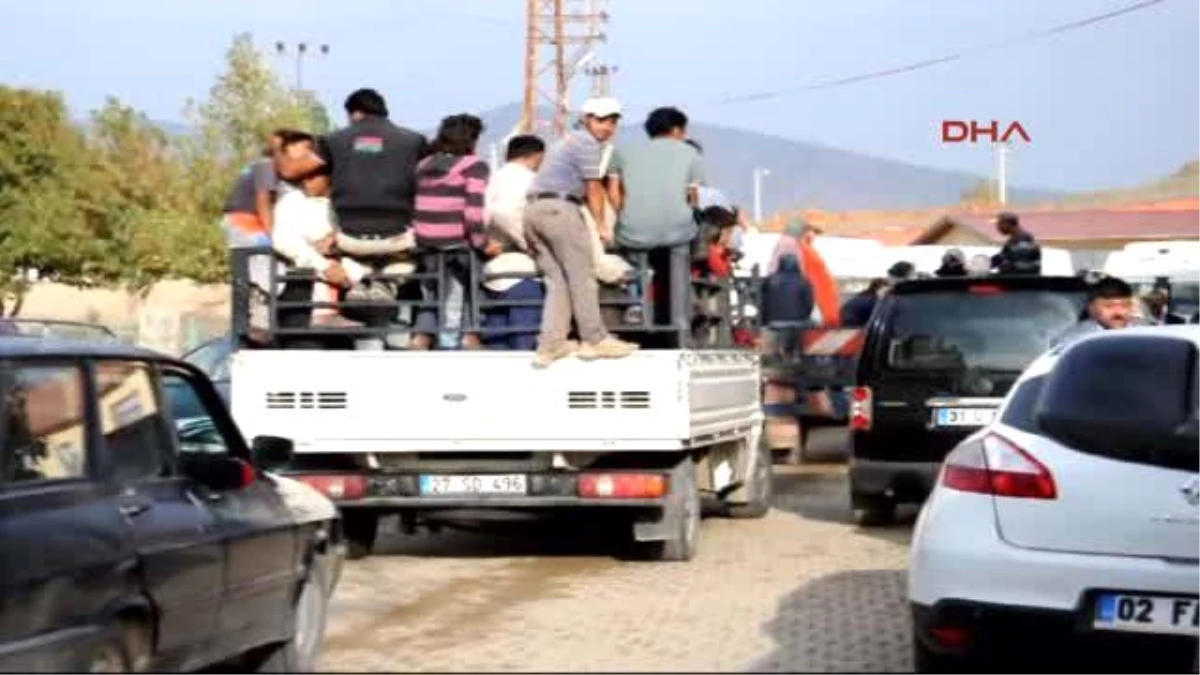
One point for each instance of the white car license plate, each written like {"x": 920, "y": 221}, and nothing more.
{"x": 1147, "y": 614}
{"x": 963, "y": 417}
{"x": 507, "y": 484}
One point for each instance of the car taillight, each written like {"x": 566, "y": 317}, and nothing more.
{"x": 623, "y": 485}
{"x": 337, "y": 487}
{"x": 861, "y": 403}
{"x": 996, "y": 466}
{"x": 984, "y": 289}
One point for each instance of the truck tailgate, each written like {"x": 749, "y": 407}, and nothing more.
{"x": 348, "y": 401}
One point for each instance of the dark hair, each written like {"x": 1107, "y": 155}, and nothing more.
{"x": 1109, "y": 288}
{"x": 695, "y": 144}
{"x": 458, "y": 134}
{"x": 367, "y": 102}
{"x": 876, "y": 285}
{"x": 520, "y": 147}
{"x": 902, "y": 270}
{"x": 1008, "y": 218}
{"x": 662, "y": 121}
{"x": 290, "y": 138}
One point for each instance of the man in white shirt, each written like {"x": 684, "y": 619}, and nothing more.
{"x": 508, "y": 252}
{"x": 305, "y": 234}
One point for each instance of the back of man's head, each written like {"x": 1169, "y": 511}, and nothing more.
{"x": 524, "y": 146}
{"x": 366, "y": 102}
{"x": 665, "y": 121}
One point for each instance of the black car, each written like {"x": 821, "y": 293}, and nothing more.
{"x": 939, "y": 356}
{"x": 139, "y": 530}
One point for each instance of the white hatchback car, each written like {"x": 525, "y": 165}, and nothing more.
{"x": 1068, "y": 530}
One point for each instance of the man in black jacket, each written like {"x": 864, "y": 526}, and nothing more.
{"x": 1020, "y": 253}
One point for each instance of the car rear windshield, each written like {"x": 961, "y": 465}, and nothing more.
{"x": 1002, "y": 330}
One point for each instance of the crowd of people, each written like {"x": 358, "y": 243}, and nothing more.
{"x": 371, "y": 205}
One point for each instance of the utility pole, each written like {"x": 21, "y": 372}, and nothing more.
{"x": 556, "y": 25}
{"x": 601, "y": 78}
{"x": 300, "y": 51}
{"x": 758, "y": 174}
{"x": 1002, "y": 151}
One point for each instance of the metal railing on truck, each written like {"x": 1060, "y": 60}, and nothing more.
{"x": 701, "y": 316}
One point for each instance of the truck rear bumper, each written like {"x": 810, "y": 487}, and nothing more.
{"x": 546, "y": 489}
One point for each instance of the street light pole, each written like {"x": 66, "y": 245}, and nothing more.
{"x": 301, "y": 51}
{"x": 758, "y": 174}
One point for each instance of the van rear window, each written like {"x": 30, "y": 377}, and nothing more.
{"x": 1001, "y": 331}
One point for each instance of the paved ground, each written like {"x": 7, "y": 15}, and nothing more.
{"x": 801, "y": 590}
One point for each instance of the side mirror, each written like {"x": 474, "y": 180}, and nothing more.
{"x": 218, "y": 472}
{"x": 1128, "y": 398}
{"x": 272, "y": 452}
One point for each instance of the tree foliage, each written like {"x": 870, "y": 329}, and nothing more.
{"x": 118, "y": 201}
{"x": 984, "y": 192}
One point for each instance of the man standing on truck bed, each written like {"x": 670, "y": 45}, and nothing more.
{"x": 571, "y": 176}
{"x": 372, "y": 167}
{"x": 1020, "y": 253}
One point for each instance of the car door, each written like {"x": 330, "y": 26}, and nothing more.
{"x": 66, "y": 556}
{"x": 178, "y": 542}
{"x": 263, "y": 562}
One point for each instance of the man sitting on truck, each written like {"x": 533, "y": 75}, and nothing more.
{"x": 305, "y": 234}
{"x": 657, "y": 184}
{"x": 372, "y": 167}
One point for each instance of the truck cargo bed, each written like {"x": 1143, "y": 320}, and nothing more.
{"x": 472, "y": 401}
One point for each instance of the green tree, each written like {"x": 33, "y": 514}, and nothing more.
{"x": 984, "y": 192}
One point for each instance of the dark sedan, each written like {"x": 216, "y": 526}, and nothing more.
{"x": 140, "y": 531}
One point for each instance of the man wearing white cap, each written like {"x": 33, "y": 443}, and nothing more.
{"x": 573, "y": 175}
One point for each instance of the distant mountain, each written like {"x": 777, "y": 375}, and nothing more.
{"x": 803, "y": 175}
{"x": 1184, "y": 183}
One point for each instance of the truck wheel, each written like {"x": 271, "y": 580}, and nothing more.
{"x": 760, "y": 488}
{"x": 682, "y": 511}
{"x": 360, "y": 528}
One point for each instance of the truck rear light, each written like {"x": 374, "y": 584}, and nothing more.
{"x": 862, "y": 401}
{"x": 622, "y": 485}
{"x": 985, "y": 289}
{"x": 337, "y": 487}
{"x": 996, "y": 466}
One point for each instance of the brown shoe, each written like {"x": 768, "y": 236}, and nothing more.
{"x": 334, "y": 321}
{"x": 608, "y": 348}
{"x": 543, "y": 358}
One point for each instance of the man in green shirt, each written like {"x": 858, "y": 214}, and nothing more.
{"x": 654, "y": 186}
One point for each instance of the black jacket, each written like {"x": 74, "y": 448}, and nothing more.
{"x": 372, "y": 165}
{"x": 1019, "y": 255}
{"x": 787, "y": 295}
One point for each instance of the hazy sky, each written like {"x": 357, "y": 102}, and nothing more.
{"x": 1110, "y": 104}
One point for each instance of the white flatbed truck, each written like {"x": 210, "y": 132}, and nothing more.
{"x": 656, "y": 437}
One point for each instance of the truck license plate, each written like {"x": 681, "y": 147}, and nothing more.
{"x": 494, "y": 484}
{"x": 963, "y": 417}
{"x": 1147, "y": 614}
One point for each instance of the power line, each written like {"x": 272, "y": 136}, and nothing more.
{"x": 1029, "y": 36}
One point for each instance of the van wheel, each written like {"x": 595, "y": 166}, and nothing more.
{"x": 682, "y": 509}
{"x": 360, "y": 528}
{"x": 760, "y": 489}
{"x": 874, "y": 512}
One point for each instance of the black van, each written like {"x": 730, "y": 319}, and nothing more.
{"x": 939, "y": 356}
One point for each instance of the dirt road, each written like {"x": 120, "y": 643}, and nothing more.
{"x": 801, "y": 590}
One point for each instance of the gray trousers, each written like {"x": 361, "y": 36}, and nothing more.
{"x": 564, "y": 254}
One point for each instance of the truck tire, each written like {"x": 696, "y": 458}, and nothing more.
{"x": 361, "y": 528}
{"x": 759, "y": 488}
{"x": 683, "y": 511}
{"x": 878, "y": 511}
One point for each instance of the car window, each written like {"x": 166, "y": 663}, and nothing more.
{"x": 195, "y": 429}
{"x": 1018, "y": 413}
{"x": 212, "y": 358}
{"x": 135, "y": 436}
{"x": 1002, "y": 331}
{"x": 43, "y": 423}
